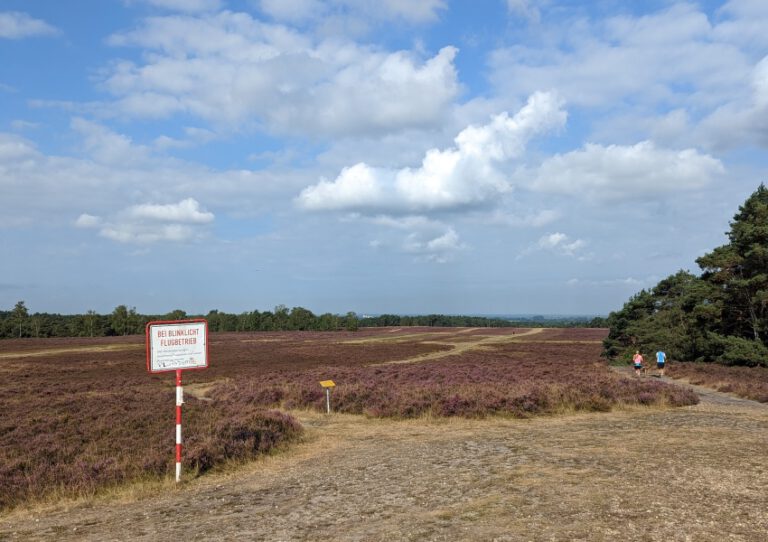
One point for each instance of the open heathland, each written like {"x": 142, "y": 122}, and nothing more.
{"x": 83, "y": 414}
{"x": 749, "y": 382}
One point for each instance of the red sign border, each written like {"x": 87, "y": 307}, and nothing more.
{"x": 170, "y": 322}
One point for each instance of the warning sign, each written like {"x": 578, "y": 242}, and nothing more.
{"x": 172, "y": 346}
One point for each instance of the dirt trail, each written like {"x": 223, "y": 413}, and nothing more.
{"x": 695, "y": 473}
{"x": 72, "y": 350}
{"x": 463, "y": 346}
{"x": 706, "y": 395}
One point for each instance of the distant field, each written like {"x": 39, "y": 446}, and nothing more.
{"x": 83, "y": 414}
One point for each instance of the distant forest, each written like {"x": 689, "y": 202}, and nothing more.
{"x": 19, "y": 322}
{"x": 720, "y": 315}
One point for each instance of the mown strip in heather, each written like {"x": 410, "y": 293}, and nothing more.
{"x": 505, "y": 380}
{"x": 747, "y": 382}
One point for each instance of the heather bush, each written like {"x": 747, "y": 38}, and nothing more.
{"x": 747, "y": 382}
{"x": 77, "y": 443}
{"x": 504, "y": 380}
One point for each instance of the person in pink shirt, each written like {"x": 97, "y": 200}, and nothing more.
{"x": 637, "y": 359}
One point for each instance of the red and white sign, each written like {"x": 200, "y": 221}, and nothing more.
{"x": 179, "y": 345}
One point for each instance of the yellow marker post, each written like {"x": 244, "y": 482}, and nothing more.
{"x": 328, "y": 384}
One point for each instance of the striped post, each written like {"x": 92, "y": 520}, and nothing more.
{"x": 179, "y": 402}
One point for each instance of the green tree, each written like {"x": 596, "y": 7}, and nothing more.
{"x": 301, "y": 319}
{"x": 280, "y": 318}
{"x": 176, "y": 314}
{"x": 740, "y": 270}
{"x": 89, "y": 322}
{"x": 20, "y": 316}
{"x": 351, "y": 322}
{"x": 119, "y": 320}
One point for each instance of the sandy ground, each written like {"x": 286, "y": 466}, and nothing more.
{"x": 691, "y": 474}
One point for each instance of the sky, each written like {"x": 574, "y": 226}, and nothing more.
{"x": 377, "y": 156}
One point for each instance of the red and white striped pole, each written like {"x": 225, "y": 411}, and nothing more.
{"x": 179, "y": 402}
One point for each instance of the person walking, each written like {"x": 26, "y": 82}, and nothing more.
{"x": 637, "y": 359}
{"x": 661, "y": 361}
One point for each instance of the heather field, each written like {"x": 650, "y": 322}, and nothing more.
{"x": 748, "y": 382}
{"x": 83, "y": 414}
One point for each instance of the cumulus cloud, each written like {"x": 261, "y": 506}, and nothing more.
{"x": 151, "y": 223}
{"x": 16, "y": 25}
{"x": 439, "y": 249}
{"x": 15, "y": 148}
{"x": 617, "y": 172}
{"x": 427, "y": 239}
{"x": 87, "y": 221}
{"x": 230, "y": 68}
{"x": 653, "y": 59}
{"x": 37, "y": 187}
{"x": 107, "y": 146}
{"x": 561, "y": 243}
{"x": 467, "y": 175}
{"x": 186, "y": 211}
{"x": 741, "y": 121}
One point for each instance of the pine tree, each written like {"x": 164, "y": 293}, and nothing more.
{"x": 740, "y": 270}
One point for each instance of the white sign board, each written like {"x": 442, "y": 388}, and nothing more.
{"x": 177, "y": 345}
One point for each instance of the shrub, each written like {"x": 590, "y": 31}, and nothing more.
{"x": 740, "y": 351}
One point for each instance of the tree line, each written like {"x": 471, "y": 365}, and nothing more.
{"x": 124, "y": 320}
{"x": 718, "y": 315}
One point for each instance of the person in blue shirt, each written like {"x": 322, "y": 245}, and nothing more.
{"x": 661, "y": 360}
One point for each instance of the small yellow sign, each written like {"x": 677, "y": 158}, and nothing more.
{"x": 327, "y": 383}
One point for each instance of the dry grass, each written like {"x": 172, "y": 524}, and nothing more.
{"x": 47, "y": 352}
{"x": 646, "y": 474}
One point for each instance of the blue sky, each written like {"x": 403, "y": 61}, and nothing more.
{"x": 495, "y": 157}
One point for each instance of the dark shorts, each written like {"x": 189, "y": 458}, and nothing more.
{"x": 660, "y": 364}
{"x": 638, "y": 367}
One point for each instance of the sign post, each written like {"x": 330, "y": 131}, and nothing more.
{"x": 176, "y": 346}
{"x": 328, "y": 384}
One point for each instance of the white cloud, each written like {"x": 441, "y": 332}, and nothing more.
{"x": 293, "y": 10}
{"x": 150, "y": 223}
{"x": 186, "y": 211}
{"x": 106, "y": 146}
{"x": 53, "y": 189}
{"x": 356, "y": 12}
{"x": 672, "y": 58}
{"x": 438, "y": 249}
{"x": 561, "y": 243}
{"x": 193, "y": 137}
{"x": 744, "y": 23}
{"x": 617, "y": 172}
{"x": 15, "y": 25}
{"x": 87, "y": 221}
{"x": 557, "y": 243}
{"x": 140, "y": 234}
{"x": 14, "y": 148}
{"x": 524, "y": 8}
{"x": 469, "y": 174}
{"x": 741, "y": 121}
{"x": 230, "y": 68}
